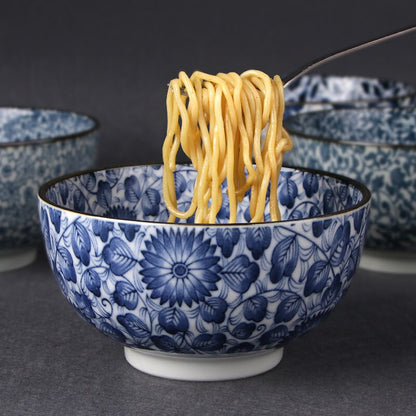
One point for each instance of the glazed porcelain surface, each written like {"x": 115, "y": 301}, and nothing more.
{"x": 36, "y": 145}
{"x": 376, "y": 147}
{"x": 315, "y": 92}
{"x": 201, "y": 290}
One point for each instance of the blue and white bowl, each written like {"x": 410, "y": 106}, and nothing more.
{"x": 36, "y": 145}
{"x": 201, "y": 302}
{"x": 323, "y": 92}
{"x": 378, "y": 148}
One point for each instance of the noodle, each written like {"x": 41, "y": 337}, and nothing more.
{"x": 218, "y": 122}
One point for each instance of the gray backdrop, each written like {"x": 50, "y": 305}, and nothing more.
{"x": 113, "y": 59}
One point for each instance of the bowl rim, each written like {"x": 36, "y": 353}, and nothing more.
{"x": 366, "y": 197}
{"x": 358, "y": 101}
{"x": 95, "y": 127}
{"x": 329, "y": 139}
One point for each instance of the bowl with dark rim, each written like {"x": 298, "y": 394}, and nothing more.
{"x": 36, "y": 145}
{"x": 376, "y": 146}
{"x": 315, "y": 92}
{"x": 201, "y": 301}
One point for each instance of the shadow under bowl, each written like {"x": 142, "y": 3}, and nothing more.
{"x": 201, "y": 301}
{"x": 36, "y": 145}
{"x": 378, "y": 148}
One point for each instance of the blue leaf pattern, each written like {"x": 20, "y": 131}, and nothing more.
{"x": 288, "y": 308}
{"x": 104, "y": 196}
{"x": 102, "y": 229}
{"x": 227, "y": 238}
{"x": 317, "y": 277}
{"x": 165, "y": 343}
{"x": 310, "y": 184}
{"x": 92, "y": 281}
{"x": 275, "y": 336}
{"x": 200, "y": 289}
{"x": 132, "y": 189}
{"x": 284, "y": 258}
{"x": 173, "y": 320}
{"x": 65, "y": 264}
{"x": 81, "y": 243}
{"x": 213, "y": 310}
{"x": 258, "y": 240}
{"x": 55, "y": 219}
{"x": 126, "y": 295}
{"x": 288, "y": 191}
{"x": 244, "y": 330}
{"x": 150, "y": 202}
{"x": 134, "y": 325}
{"x": 118, "y": 256}
{"x": 208, "y": 342}
{"x": 239, "y": 274}
{"x": 255, "y": 308}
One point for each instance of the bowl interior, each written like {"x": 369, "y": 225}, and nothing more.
{"x": 135, "y": 193}
{"x": 384, "y": 126}
{"x": 19, "y": 124}
{"x": 339, "y": 89}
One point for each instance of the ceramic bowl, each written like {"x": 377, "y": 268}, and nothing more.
{"x": 322, "y": 92}
{"x": 35, "y": 145}
{"x": 378, "y": 148}
{"x": 201, "y": 302}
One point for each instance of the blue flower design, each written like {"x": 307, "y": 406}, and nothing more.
{"x": 123, "y": 213}
{"x": 180, "y": 267}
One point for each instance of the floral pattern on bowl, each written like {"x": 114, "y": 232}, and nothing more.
{"x": 315, "y": 92}
{"x": 193, "y": 289}
{"x": 376, "y": 147}
{"x": 37, "y": 145}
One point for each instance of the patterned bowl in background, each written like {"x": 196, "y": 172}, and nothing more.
{"x": 322, "y": 92}
{"x": 197, "y": 301}
{"x": 378, "y": 148}
{"x": 36, "y": 145}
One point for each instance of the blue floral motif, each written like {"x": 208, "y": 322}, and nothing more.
{"x": 124, "y": 213}
{"x": 227, "y": 238}
{"x": 376, "y": 147}
{"x": 209, "y": 342}
{"x": 240, "y": 273}
{"x": 288, "y": 190}
{"x": 36, "y": 146}
{"x": 173, "y": 320}
{"x": 126, "y": 295}
{"x": 201, "y": 289}
{"x": 92, "y": 281}
{"x": 213, "y": 309}
{"x": 118, "y": 256}
{"x": 102, "y": 229}
{"x": 284, "y": 258}
{"x": 180, "y": 267}
{"x": 315, "y": 92}
{"x": 258, "y": 240}
{"x": 255, "y": 308}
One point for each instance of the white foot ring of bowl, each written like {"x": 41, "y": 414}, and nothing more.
{"x": 11, "y": 259}
{"x": 386, "y": 261}
{"x": 198, "y": 368}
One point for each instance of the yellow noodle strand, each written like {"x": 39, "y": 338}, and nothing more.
{"x": 230, "y": 126}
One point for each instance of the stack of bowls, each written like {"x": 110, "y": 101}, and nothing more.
{"x": 322, "y": 92}
{"x": 35, "y": 146}
{"x": 376, "y": 146}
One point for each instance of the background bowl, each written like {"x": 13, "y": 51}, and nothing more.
{"x": 323, "y": 92}
{"x": 204, "y": 302}
{"x": 378, "y": 148}
{"x": 36, "y": 145}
